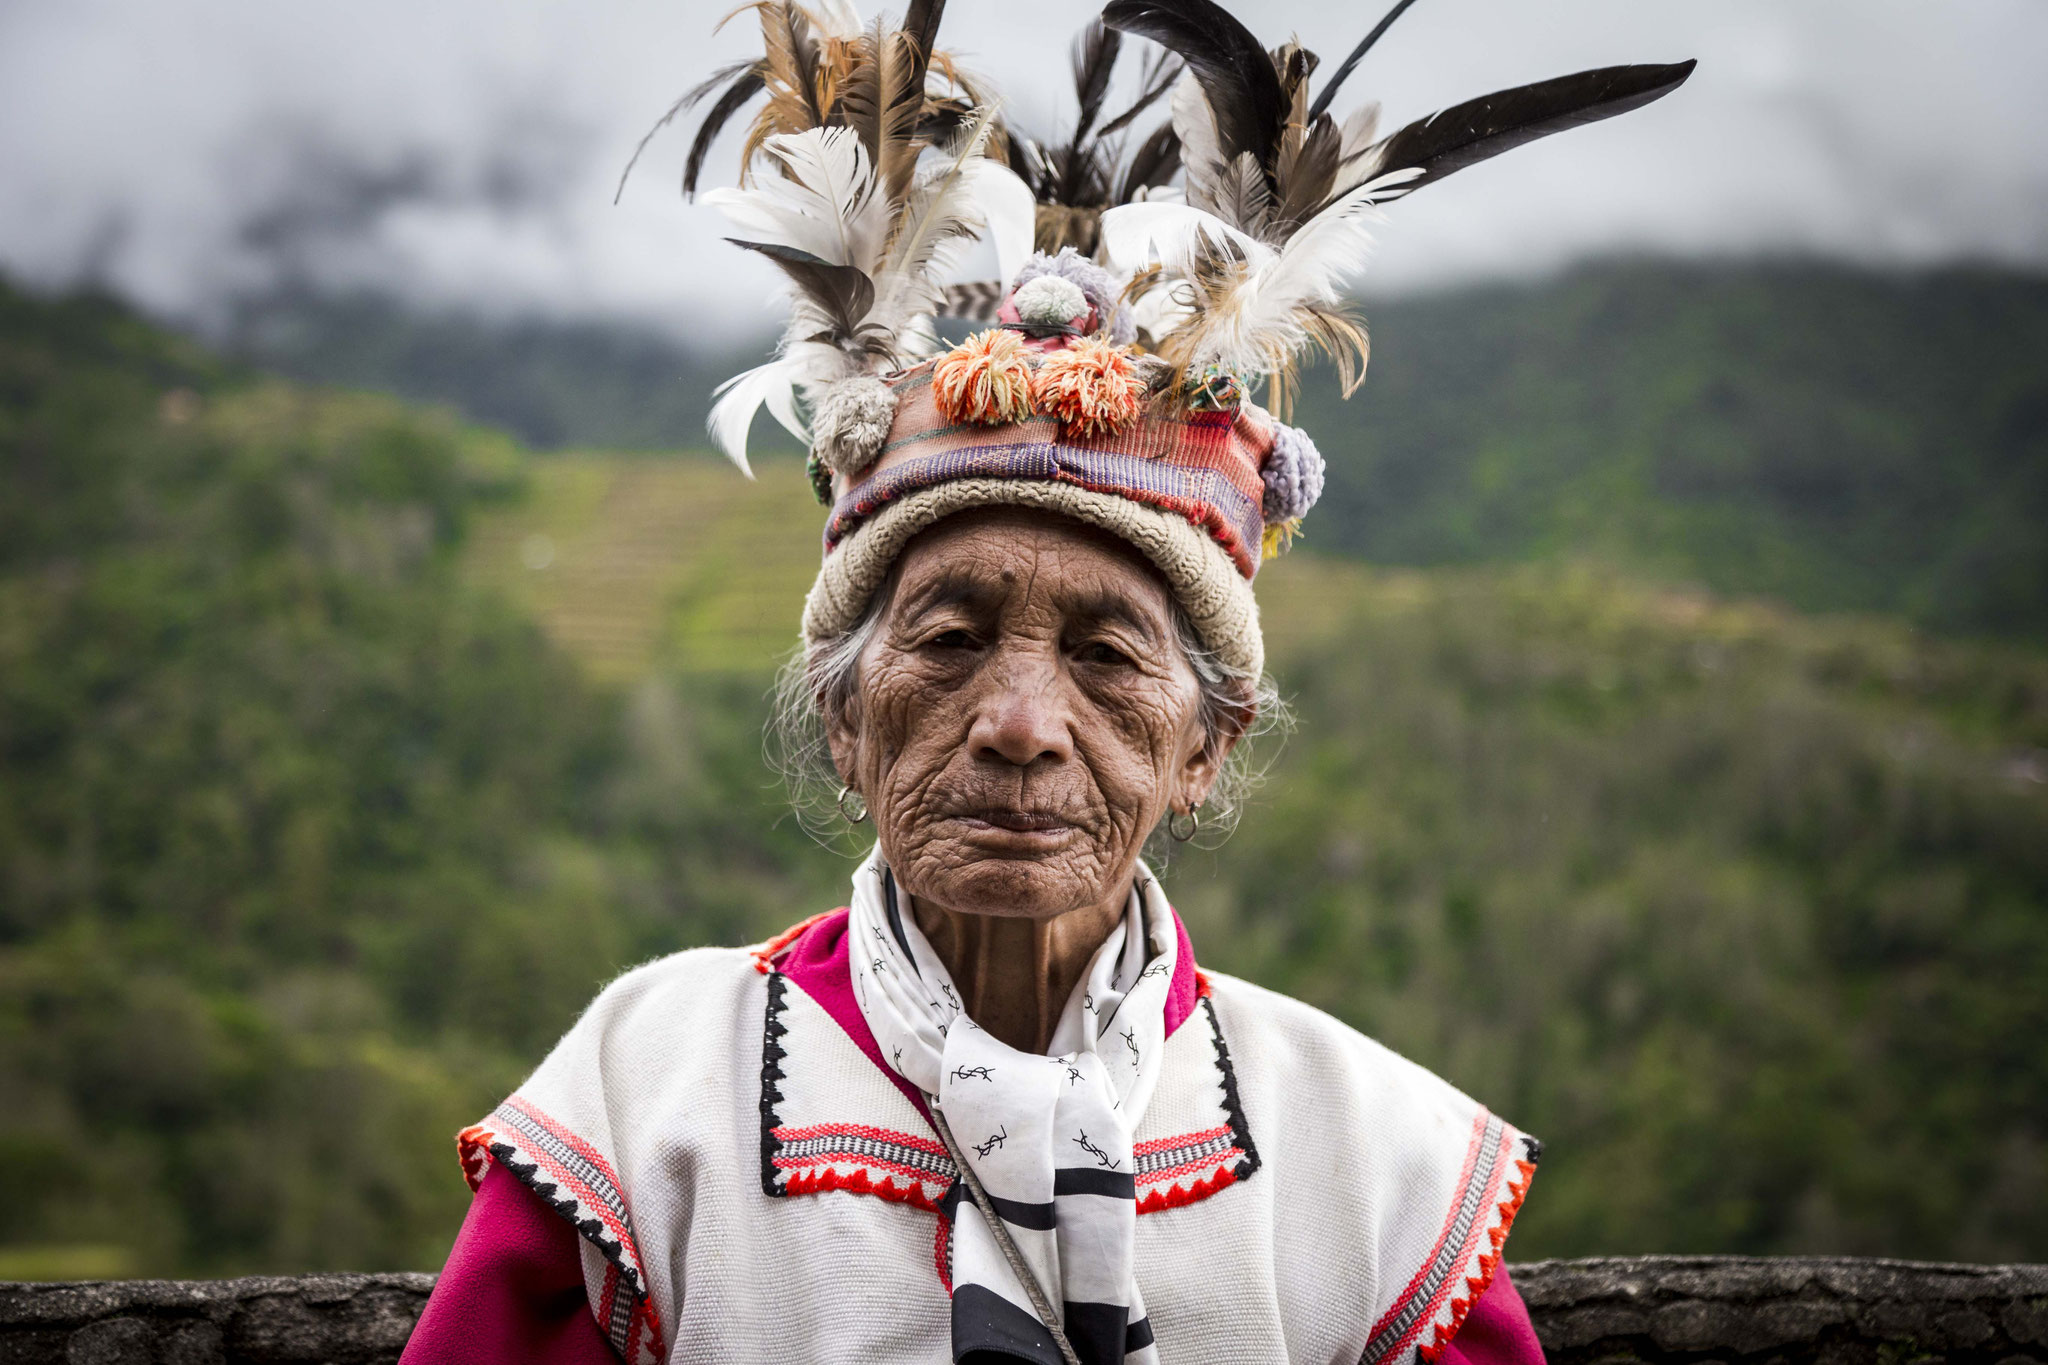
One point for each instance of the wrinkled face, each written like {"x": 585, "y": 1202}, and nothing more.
{"x": 1024, "y": 716}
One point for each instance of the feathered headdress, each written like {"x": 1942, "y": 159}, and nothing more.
{"x": 1114, "y": 387}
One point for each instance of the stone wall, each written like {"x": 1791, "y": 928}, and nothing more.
{"x": 1652, "y": 1309}
{"x": 342, "y": 1319}
{"x": 1837, "y": 1311}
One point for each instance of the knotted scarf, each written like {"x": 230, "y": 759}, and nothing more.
{"x": 1048, "y": 1136}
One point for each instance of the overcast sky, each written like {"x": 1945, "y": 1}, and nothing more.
{"x": 464, "y": 151}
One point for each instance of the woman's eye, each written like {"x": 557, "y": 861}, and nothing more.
{"x": 1102, "y": 652}
{"x": 951, "y": 639}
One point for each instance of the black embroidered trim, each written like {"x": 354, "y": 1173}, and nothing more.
{"x": 772, "y": 1053}
{"x": 592, "y": 1229}
{"x": 1233, "y": 1108}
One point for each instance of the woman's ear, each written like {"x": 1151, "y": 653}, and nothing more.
{"x": 842, "y": 735}
{"x": 1209, "y": 752}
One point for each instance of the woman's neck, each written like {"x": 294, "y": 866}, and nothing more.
{"x": 1015, "y": 976}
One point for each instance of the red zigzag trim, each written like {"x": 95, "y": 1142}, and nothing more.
{"x": 858, "y": 1182}
{"x": 1476, "y": 1285}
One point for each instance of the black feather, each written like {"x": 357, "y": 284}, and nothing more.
{"x": 1305, "y": 178}
{"x": 1095, "y": 53}
{"x": 1162, "y": 69}
{"x": 1338, "y": 76}
{"x": 921, "y": 22}
{"x": 1235, "y": 72}
{"x": 735, "y": 98}
{"x": 1477, "y": 129}
{"x": 689, "y": 100}
{"x": 1017, "y": 152}
{"x": 1083, "y": 171}
{"x": 844, "y": 292}
{"x": 1154, "y": 163}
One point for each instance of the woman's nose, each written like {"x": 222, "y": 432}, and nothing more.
{"x": 1023, "y": 717}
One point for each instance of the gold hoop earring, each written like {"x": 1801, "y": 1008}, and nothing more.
{"x": 860, "y": 806}
{"x": 1180, "y": 833}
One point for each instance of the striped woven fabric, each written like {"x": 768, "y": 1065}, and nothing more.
{"x": 1201, "y": 465}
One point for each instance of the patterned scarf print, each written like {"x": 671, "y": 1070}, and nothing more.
{"x": 1049, "y": 1136}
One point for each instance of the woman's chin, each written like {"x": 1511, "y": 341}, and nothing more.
{"x": 1035, "y": 874}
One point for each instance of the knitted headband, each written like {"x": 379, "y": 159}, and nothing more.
{"x": 1133, "y": 316}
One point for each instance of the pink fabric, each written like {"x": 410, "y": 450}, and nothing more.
{"x": 817, "y": 963}
{"x": 1186, "y": 987}
{"x": 1497, "y": 1331}
{"x": 512, "y": 1291}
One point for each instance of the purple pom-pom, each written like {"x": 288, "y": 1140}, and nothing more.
{"x": 1098, "y": 286}
{"x": 1293, "y": 475}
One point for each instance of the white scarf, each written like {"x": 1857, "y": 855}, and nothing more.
{"x": 1048, "y": 1136}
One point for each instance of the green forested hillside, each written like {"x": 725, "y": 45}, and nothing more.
{"x": 306, "y": 851}
{"x": 1836, "y": 438}
{"x": 345, "y": 750}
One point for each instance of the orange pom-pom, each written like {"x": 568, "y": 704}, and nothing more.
{"x": 1092, "y": 386}
{"x": 985, "y": 380}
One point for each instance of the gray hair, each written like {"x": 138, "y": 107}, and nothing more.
{"x": 822, "y": 678}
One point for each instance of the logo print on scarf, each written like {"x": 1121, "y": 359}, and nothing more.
{"x": 1102, "y": 1158}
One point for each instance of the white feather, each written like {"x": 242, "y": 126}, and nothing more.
{"x": 743, "y": 395}
{"x": 826, "y": 203}
{"x": 1161, "y": 311}
{"x": 1137, "y": 235}
{"x": 1314, "y": 267}
{"x": 941, "y": 215}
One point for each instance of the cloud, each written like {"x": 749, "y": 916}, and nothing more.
{"x": 464, "y": 152}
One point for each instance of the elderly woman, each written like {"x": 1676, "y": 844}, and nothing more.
{"x": 992, "y": 1110}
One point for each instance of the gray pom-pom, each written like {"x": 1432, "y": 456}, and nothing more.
{"x": 1098, "y": 286}
{"x": 1049, "y": 301}
{"x": 1293, "y": 475}
{"x": 850, "y": 422}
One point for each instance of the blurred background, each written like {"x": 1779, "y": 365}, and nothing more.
{"x": 382, "y": 657}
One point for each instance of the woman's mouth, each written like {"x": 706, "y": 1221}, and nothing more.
{"x": 1017, "y": 821}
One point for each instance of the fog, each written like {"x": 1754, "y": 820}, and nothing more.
{"x": 465, "y": 153}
